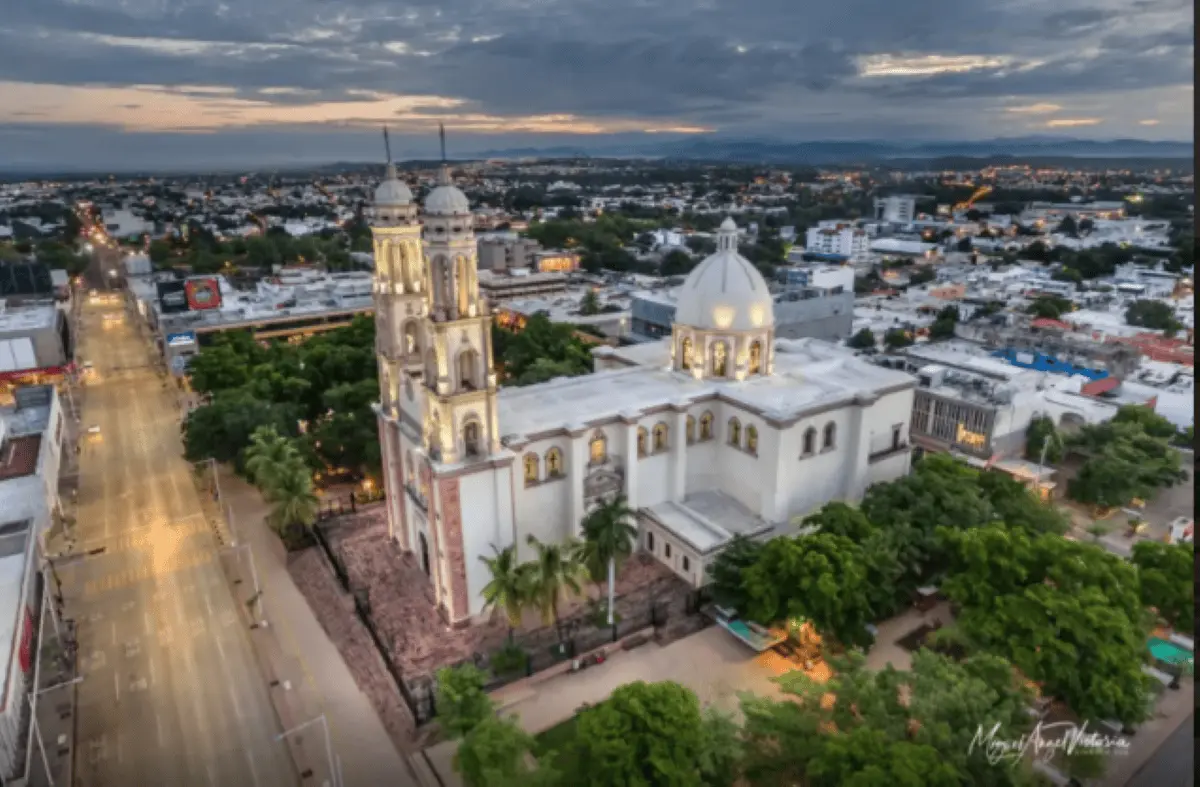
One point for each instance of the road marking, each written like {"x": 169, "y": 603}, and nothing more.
{"x": 117, "y": 686}
{"x": 253, "y": 770}
{"x": 114, "y": 632}
{"x": 212, "y": 779}
{"x": 158, "y": 727}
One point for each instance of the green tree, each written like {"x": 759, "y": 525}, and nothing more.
{"x": 727, "y": 571}
{"x": 608, "y": 538}
{"x": 160, "y": 252}
{"x": 495, "y": 753}
{"x": 294, "y": 503}
{"x": 556, "y": 571}
{"x": 720, "y": 750}
{"x": 1049, "y": 307}
{"x": 676, "y": 263}
{"x": 462, "y": 703}
{"x": 644, "y": 734}
{"x": 1016, "y": 505}
{"x": 942, "y": 329}
{"x": 1157, "y": 315}
{"x": 510, "y": 588}
{"x": 269, "y": 457}
{"x": 546, "y": 341}
{"x": 895, "y": 338}
{"x": 1167, "y": 574}
{"x": 348, "y": 434}
{"x": 590, "y": 304}
{"x": 221, "y": 429}
{"x": 863, "y": 340}
{"x": 1146, "y": 419}
{"x": 1068, "y": 614}
{"x": 1042, "y": 428}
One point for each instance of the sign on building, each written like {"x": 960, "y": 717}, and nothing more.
{"x": 203, "y": 294}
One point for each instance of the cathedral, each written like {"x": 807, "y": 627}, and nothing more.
{"x": 718, "y": 430}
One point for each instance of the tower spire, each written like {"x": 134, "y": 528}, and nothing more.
{"x": 387, "y": 145}
{"x": 442, "y": 139}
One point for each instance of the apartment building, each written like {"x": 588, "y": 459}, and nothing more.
{"x": 836, "y": 241}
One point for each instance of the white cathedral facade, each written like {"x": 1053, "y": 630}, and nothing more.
{"x": 717, "y": 430}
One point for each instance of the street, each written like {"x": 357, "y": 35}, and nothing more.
{"x": 172, "y": 693}
{"x": 1173, "y": 764}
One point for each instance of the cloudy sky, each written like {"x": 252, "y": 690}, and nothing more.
{"x": 121, "y": 83}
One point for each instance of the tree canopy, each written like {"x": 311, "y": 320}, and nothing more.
{"x": 1167, "y": 574}
{"x": 540, "y": 351}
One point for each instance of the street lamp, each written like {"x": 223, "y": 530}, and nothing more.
{"x": 333, "y": 771}
{"x": 236, "y": 547}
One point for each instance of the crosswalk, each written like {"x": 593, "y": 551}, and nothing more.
{"x": 143, "y": 538}
{"x": 123, "y": 579}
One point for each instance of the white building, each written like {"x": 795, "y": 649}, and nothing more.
{"x": 899, "y": 209}
{"x": 717, "y": 430}
{"x": 837, "y": 240}
{"x": 31, "y": 436}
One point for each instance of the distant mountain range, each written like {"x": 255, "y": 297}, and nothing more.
{"x": 868, "y": 151}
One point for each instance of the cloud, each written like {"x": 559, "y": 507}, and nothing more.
{"x": 1073, "y": 122}
{"x": 1040, "y": 108}
{"x": 790, "y": 68}
{"x": 1148, "y": 122}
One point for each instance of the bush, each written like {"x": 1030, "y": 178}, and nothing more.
{"x": 509, "y": 660}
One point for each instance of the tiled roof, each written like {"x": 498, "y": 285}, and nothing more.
{"x": 19, "y": 456}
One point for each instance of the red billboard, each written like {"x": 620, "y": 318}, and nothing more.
{"x": 203, "y": 294}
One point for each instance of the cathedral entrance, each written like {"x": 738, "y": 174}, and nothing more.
{"x": 424, "y": 545}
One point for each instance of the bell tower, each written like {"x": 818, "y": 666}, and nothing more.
{"x": 399, "y": 286}
{"x": 461, "y": 414}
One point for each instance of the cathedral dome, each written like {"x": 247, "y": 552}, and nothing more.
{"x": 725, "y": 292}
{"x": 392, "y": 192}
{"x": 446, "y": 199}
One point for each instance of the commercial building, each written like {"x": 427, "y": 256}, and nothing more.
{"x": 801, "y": 312}
{"x": 36, "y": 346}
{"x": 509, "y": 252}
{"x": 521, "y": 283}
{"x": 185, "y": 314}
{"x": 31, "y": 433}
{"x": 898, "y": 209}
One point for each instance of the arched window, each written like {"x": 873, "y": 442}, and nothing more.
{"x": 706, "y": 423}
{"x": 467, "y": 363}
{"x": 830, "y": 433}
{"x": 471, "y": 441}
{"x": 410, "y": 337}
{"x": 554, "y": 463}
{"x": 810, "y": 441}
{"x": 598, "y": 449}
{"x": 755, "y": 357}
{"x": 691, "y": 429}
{"x": 720, "y": 359}
{"x": 531, "y": 469}
{"x": 752, "y": 440}
{"x": 685, "y": 354}
{"x": 735, "y": 432}
{"x": 642, "y": 436}
{"x": 660, "y": 437}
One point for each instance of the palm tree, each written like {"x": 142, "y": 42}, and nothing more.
{"x": 510, "y": 587}
{"x": 269, "y": 457}
{"x": 554, "y": 571}
{"x": 295, "y": 502}
{"x": 609, "y": 535}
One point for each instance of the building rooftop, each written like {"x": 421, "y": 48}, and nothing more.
{"x": 695, "y": 520}
{"x": 26, "y": 318}
{"x": 808, "y": 374}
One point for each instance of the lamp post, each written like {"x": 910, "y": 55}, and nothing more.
{"x": 333, "y": 769}
{"x": 236, "y": 547}
{"x": 1037, "y": 481}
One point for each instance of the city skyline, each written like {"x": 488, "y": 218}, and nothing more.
{"x": 144, "y": 81}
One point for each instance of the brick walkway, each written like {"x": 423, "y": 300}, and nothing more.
{"x": 405, "y": 614}
{"x": 335, "y": 612}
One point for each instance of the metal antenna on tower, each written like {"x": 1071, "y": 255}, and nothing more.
{"x": 387, "y": 146}
{"x": 442, "y": 138}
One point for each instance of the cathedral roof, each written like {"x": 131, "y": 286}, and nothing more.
{"x": 446, "y": 199}
{"x": 725, "y": 292}
{"x": 392, "y": 192}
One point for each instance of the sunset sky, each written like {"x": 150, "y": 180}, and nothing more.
{"x": 127, "y": 83}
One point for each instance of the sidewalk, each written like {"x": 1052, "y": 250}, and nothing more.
{"x": 367, "y": 755}
{"x": 1175, "y": 707}
{"x": 50, "y": 744}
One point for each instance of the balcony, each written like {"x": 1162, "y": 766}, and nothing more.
{"x": 884, "y": 454}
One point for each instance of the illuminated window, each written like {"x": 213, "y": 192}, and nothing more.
{"x": 966, "y": 437}
{"x": 810, "y": 441}
{"x": 691, "y": 429}
{"x": 830, "y": 433}
{"x": 735, "y": 432}
{"x": 554, "y": 467}
{"x": 752, "y": 440}
{"x": 641, "y": 440}
{"x": 755, "y": 357}
{"x": 685, "y": 353}
{"x": 719, "y": 359}
{"x": 706, "y": 423}
{"x": 598, "y": 449}
{"x": 660, "y": 437}
{"x": 531, "y": 469}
